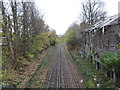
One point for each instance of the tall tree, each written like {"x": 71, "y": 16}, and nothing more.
{"x": 92, "y": 11}
{"x": 7, "y": 32}
{"x": 14, "y": 9}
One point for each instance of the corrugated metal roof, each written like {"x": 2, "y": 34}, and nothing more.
{"x": 109, "y": 21}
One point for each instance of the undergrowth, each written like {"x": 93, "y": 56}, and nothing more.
{"x": 92, "y": 78}
{"x": 39, "y": 77}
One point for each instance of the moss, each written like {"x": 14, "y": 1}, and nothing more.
{"x": 41, "y": 86}
{"x": 90, "y": 84}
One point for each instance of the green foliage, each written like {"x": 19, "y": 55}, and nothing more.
{"x": 30, "y": 55}
{"x": 52, "y": 38}
{"x": 110, "y": 60}
{"x": 40, "y": 71}
{"x": 90, "y": 84}
{"x": 42, "y": 86}
{"x": 73, "y": 34}
{"x": 88, "y": 73}
{"x": 25, "y": 38}
{"x": 4, "y": 74}
{"x": 0, "y": 23}
{"x": 36, "y": 46}
{"x": 0, "y": 34}
{"x": 39, "y": 43}
{"x": 44, "y": 38}
{"x": 71, "y": 39}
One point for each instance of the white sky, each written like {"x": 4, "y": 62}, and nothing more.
{"x": 60, "y": 14}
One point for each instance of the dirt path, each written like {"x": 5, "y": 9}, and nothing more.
{"x": 62, "y": 73}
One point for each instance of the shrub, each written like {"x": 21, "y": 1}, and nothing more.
{"x": 110, "y": 60}
{"x": 71, "y": 39}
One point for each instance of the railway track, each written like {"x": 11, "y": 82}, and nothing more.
{"x": 62, "y": 73}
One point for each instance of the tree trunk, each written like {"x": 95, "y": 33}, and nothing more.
{"x": 6, "y": 24}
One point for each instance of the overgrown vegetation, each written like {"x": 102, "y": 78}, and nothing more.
{"x": 71, "y": 39}
{"x": 25, "y": 36}
{"x": 94, "y": 45}
{"x": 39, "y": 78}
{"x": 73, "y": 34}
{"x": 92, "y": 78}
{"x": 87, "y": 65}
{"x": 110, "y": 61}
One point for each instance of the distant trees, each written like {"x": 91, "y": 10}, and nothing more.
{"x": 92, "y": 11}
{"x": 71, "y": 36}
{"x": 53, "y": 37}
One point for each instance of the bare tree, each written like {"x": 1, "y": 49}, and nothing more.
{"x": 92, "y": 11}
{"x": 6, "y": 30}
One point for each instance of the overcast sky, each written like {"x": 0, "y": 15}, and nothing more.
{"x": 60, "y": 14}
